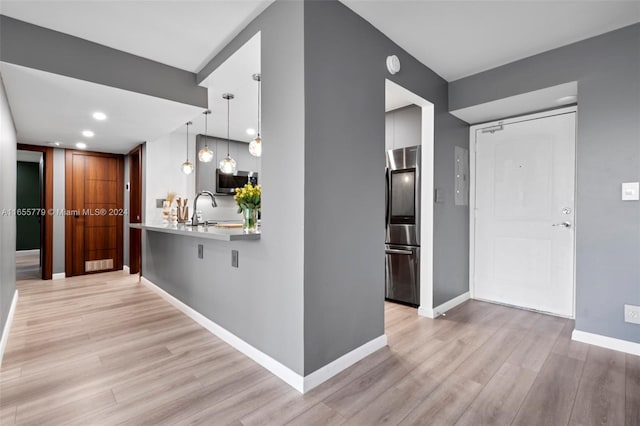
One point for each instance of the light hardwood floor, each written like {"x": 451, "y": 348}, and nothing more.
{"x": 28, "y": 265}
{"x": 102, "y": 349}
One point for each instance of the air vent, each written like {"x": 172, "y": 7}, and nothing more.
{"x": 98, "y": 265}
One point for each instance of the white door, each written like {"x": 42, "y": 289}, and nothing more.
{"x": 524, "y": 217}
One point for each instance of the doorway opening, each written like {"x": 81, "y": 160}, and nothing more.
{"x": 397, "y": 99}
{"x": 34, "y": 214}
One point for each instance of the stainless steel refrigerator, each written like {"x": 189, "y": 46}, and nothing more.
{"x": 402, "y": 241}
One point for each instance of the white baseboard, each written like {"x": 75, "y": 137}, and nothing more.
{"x": 7, "y": 325}
{"x": 446, "y": 306}
{"x": 125, "y": 269}
{"x": 300, "y": 383}
{"x": 345, "y": 361}
{"x": 606, "y": 342}
{"x": 59, "y": 276}
{"x": 26, "y": 252}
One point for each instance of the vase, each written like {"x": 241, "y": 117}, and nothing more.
{"x": 250, "y": 221}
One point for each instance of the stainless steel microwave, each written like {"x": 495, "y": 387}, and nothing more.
{"x": 227, "y": 183}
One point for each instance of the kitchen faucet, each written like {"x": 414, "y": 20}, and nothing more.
{"x": 194, "y": 218}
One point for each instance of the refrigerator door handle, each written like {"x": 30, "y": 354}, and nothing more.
{"x": 396, "y": 251}
{"x": 386, "y": 198}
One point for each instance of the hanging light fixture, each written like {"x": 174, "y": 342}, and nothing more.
{"x": 206, "y": 155}
{"x": 187, "y": 166}
{"x": 228, "y": 165}
{"x": 255, "y": 147}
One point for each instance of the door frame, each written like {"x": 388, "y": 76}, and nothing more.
{"x": 135, "y": 195}
{"x": 472, "y": 188}
{"x": 68, "y": 249}
{"x": 46, "y": 227}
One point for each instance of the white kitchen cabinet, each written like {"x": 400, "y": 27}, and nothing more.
{"x": 403, "y": 127}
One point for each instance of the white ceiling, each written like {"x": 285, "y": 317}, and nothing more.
{"x": 460, "y": 38}
{"x": 49, "y": 107}
{"x": 185, "y": 34}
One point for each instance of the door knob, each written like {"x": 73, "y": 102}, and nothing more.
{"x": 565, "y": 224}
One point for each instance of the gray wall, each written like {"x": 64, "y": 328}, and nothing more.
{"x": 607, "y": 69}
{"x": 29, "y": 45}
{"x": 58, "y": 204}
{"x": 344, "y": 166}
{"x": 126, "y": 218}
{"x": 261, "y": 301}
{"x": 7, "y": 201}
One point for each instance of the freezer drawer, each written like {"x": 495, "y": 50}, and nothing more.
{"x": 402, "y": 274}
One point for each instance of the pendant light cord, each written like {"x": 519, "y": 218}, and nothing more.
{"x": 206, "y": 120}
{"x": 188, "y": 140}
{"x": 228, "y": 123}
{"x": 259, "y": 121}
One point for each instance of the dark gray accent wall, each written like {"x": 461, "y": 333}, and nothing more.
{"x": 28, "y": 198}
{"x": 8, "y": 203}
{"x": 607, "y": 69}
{"x": 344, "y": 180}
{"x": 29, "y": 45}
{"x": 261, "y": 302}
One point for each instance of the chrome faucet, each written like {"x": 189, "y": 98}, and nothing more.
{"x": 194, "y": 218}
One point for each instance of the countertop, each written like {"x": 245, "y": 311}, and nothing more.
{"x": 211, "y": 232}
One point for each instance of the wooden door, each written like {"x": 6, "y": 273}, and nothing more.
{"x": 135, "y": 209}
{"x": 94, "y": 204}
{"x": 524, "y": 250}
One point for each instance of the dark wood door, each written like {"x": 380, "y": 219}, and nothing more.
{"x": 135, "y": 209}
{"x": 94, "y": 203}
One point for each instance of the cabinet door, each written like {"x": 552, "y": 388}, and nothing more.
{"x": 407, "y": 127}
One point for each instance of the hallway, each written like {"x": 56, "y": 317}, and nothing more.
{"x": 102, "y": 349}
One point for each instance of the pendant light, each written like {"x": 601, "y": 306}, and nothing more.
{"x": 228, "y": 165}
{"x": 205, "y": 155}
{"x": 187, "y": 166}
{"x": 255, "y": 147}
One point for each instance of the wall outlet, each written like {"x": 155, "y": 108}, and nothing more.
{"x": 632, "y": 314}
{"x": 200, "y": 251}
{"x": 234, "y": 258}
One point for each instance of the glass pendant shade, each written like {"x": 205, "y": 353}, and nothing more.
{"x": 205, "y": 155}
{"x": 255, "y": 147}
{"x": 228, "y": 165}
{"x": 187, "y": 167}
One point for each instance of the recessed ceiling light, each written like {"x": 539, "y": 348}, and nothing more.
{"x": 99, "y": 115}
{"x": 251, "y": 131}
{"x": 81, "y": 145}
{"x": 566, "y": 99}
{"x": 55, "y": 143}
{"x": 87, "y": 133}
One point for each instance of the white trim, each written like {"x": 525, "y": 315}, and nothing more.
{"x": 59, "y": 276}
{"x": 125, "y": 268}
{"x": 441, "y": 309}
{"x": 345, "y": 361}
{"x": 472, "y": 189}
{"x": 293, "y": 379}
{"x": 7, "y": 326}
{"x": 606, "y": 342}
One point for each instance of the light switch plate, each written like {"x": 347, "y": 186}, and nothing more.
{"x": 632, "y": 314}
{"x": 630, "y": 191}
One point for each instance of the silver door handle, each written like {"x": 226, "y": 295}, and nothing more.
{"x": 565, "y": 224}
{"x": 393, "y": 251}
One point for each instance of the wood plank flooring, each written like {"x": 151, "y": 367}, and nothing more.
{"x": 104, "y": 350}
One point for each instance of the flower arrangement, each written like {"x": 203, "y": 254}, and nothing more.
{"x": 248, "y": 197}
{"x": 248, "y": 200}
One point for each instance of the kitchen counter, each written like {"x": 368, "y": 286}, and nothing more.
{"x": 211, "y": 232}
